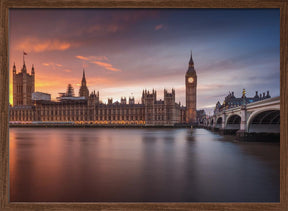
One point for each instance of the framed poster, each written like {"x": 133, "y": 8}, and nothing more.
{"x": 143, "y": 105}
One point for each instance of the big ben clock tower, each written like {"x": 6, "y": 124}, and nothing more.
{"x": 191, "y": 92}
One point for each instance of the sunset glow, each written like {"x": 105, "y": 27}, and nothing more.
{"x": 124, "y": 51}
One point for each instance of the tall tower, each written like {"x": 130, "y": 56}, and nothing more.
{"x": 191, "y": 92}
{"x": 23, "y": 86}
{"x": 84, "y": 92}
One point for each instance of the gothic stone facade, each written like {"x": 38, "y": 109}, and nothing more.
{"x": 23, "y": 86}
{"x": 231, "y": 101}
{"x": 88, "y": 109}
{"x": 149, "y": 112}
{"x": 191, "y": 89}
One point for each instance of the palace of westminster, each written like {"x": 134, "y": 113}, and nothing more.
{"x": 37, "y": 107}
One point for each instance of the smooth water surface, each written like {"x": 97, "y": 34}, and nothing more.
{"x": 140, "y": 165}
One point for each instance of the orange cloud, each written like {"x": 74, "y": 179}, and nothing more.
{"x": 52, "y": 65}
{"x": 90, "y": 58}
{"x": 107, "y": 66}
{"x": 82, "y": 58}
{"x": 37, "y": 45}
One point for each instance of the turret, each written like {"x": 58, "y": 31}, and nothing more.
{"x": 191, "y": 62}
{"x": 123, "y": 100}
{"x": 83, "y": 82}
{"x": 256, "y": 95}
{"x": 110, "y": 100}
{"x": 93, "y": 98}
{"x": 14, "y": 69}
{"x": 169, "y": 96}
{"x": 32, "y": 71}
{"x": 83, "y": 91}
{"x": 131, "y": 100}
{"x": 24, "y": 70}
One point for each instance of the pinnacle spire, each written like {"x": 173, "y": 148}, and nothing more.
{"x": 83, "y": 77}
{"x": 191, "y": 62}
{"x": 83, "y": 82}
{"x": 32, "y": 71}
{"x": 14, "y": 68}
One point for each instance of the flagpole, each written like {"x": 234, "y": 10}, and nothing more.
{"x": 23, "y": 58}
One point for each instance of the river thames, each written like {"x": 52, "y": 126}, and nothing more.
{"x": 140, "y": 165}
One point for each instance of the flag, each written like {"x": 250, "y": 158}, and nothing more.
{"x": 24, "y": 53}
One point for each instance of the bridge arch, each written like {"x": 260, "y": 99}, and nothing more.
{"x": 206, "y": 122}
{"x": 202, "y": 120}
{"x": 233, "y": 122}
{"x": 264, "y": 121}
{"x": 212, "y": 122}
{"x": 219, "y": 122}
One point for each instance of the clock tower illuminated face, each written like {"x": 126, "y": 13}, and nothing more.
{"x": 191, "y": 92}
{"x": 190, "y": 80}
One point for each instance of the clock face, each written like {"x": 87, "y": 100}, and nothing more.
{"x": 190, "y": 79}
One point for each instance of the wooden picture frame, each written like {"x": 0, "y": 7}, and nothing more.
{"x": 5, "y": 5}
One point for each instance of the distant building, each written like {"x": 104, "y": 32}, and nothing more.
{"x": 231, "y": 101}
{"x": 87, "y": 108}
{"x": 69, "y": 95}
{"x": 201, "y": 115}
{"x": 36, "y": 96}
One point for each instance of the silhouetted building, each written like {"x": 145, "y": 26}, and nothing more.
{"x": 36, "y": 96}
{"x": 87, "y": 108}
{"x": 201, "y": 115}
{"x": 231, "y": 101}
{"x": 23, "y": 86}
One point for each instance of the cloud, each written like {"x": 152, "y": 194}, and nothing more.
{"x": 91, "y": 58}
{"x": 82, "y": 58}
{"x": 53, "y": 65}
{"x": 100, "y": 62}
{"x": 107, "y": 66}
{"x": 37, "y": 45}
{"x": 110, "y": 28}
{"x": 158, "y": 27}
{"x": 209, "y": 87}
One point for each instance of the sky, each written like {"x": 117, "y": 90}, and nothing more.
{"x": 124, "y": 51}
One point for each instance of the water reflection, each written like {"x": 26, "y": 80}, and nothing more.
{"x": 139, "y": 165}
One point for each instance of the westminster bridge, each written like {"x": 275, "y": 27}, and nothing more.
{"x": 261, "y": 117}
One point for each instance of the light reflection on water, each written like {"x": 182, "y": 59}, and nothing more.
{"x": 140, "y": 165}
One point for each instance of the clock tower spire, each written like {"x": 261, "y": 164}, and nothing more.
{"x": 191, "y": 92}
